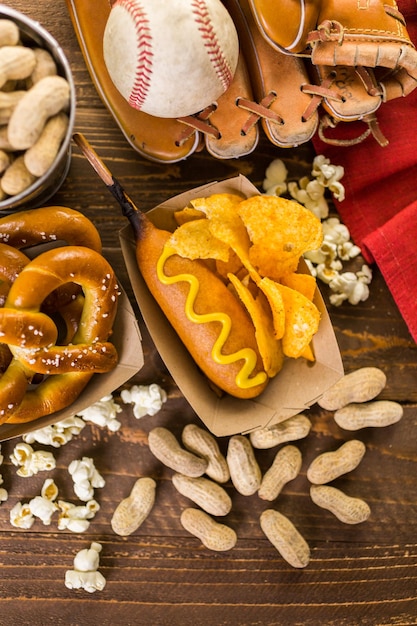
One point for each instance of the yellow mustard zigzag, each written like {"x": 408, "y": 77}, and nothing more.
{"x": 248, "y": 355}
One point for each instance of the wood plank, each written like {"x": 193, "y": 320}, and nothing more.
{"x": 362, "y": 575}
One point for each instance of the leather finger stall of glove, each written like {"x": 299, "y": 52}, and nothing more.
{"x": 288, "y": 115}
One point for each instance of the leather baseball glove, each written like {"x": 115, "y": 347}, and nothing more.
{"x": 289, "y": 116}
{"x": 358, "y": 52}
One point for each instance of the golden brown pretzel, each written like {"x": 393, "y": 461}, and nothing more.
{"x": 64, "y": 301}
{"x": 49, "y": 224}
{"x": 90, "y": 351}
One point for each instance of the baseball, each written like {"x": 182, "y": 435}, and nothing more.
{"x": 170, "y": 59}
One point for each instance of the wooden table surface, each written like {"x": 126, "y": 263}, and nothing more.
{"x": 364, "y": 574}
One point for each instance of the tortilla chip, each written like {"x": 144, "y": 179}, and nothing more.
{"x": 304, "y": 283}
{"x": 301, "y": 322}
{"x": 194, "y": 240}
{"x": 217, "y": 204}
{"x": 269, "y": 348}
{"x": 187, "y": 215}
{"x": 233, "y": 265}
{"x": 308, "y": 354}
{"x": 273, "y": 294}
{"x": 281, "y": 231}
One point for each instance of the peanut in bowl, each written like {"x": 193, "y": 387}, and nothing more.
{"x": 37, "y": 113}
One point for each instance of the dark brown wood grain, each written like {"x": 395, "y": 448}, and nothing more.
{"x": 161, "y": 575}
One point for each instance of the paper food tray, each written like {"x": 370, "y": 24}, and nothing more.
{"x": 299, "y": 384}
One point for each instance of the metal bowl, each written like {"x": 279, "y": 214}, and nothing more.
{"x": 33, "y": 34}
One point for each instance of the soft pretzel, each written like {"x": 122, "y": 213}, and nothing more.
{"x": 63, "y": 302}
{"x": 27, "y": 329}
{"x": 32, "y": 329}
{"x": 71, "y": 365}
{"x": 51, "y": 395}
{"x": 48, "y": 224}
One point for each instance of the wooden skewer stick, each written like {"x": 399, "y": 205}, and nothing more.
{"x": 129, "y": 208}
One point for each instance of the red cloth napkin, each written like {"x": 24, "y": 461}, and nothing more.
{"x": 380, "y": 208}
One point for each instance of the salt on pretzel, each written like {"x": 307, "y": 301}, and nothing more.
{"x": 26, "y": 329}
{"x": 70, "y": 366}
{"x": 48, "y": 224}
{"x": 12, "y": 262}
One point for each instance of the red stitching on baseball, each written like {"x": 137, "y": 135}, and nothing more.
{"x": 211, "y": 43}
{"x": 143, "y": 73}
